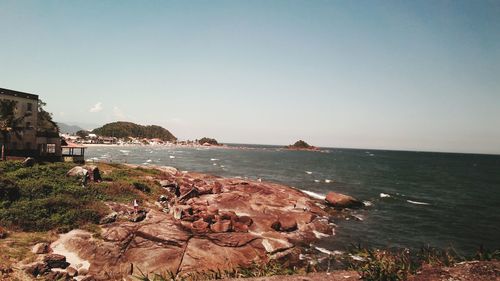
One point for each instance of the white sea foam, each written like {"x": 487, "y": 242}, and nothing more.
{"x": 320, "y": 235}
{"x": 214, "y": 159}
{"x": 328, "y": 252}
{"x": 328, "y": 181}
{"x": 384, "y": 195}
{"x": 215, "y": 164}
{"x": 357, "y": 258}
{"x": 308, "y": 172}
{"x": 222, "y": 166}
{"x": 149, "y": 161}
{"x": 125, "y": 151}
{"x": 316, "y": 181}
{"x": 417, "y": 203}
{"x": 314, "y": 194}
{"x": 367, "y": 203}
{"x": 358, "y": 217}
{"x": 172, "y": 157}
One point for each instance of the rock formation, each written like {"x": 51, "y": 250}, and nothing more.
{"x": 200, "y": 223}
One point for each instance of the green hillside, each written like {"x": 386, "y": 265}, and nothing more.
{"x": 128, "y": 129}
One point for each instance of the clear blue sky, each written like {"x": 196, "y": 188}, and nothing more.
{"x": 419, "y": 75}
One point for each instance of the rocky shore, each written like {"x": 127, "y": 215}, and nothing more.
{"x": 198, "y": 223}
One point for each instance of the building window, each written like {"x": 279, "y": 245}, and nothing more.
{"x": 51, "y": 148}
{"x": 30, "y": 106}
{"x": 28, "y": 124}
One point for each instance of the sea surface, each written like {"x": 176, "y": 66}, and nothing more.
{"x": 413, "y": 199}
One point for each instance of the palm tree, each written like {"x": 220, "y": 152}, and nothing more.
{"x": 10, "y": 122}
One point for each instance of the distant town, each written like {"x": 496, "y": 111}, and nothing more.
{"x": 27, "y": 130}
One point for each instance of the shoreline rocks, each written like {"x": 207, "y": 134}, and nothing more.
{"x": 200, "y": 223}
{"x": 341, "y": 201}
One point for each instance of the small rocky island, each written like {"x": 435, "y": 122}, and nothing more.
{"x": 208, "y": 142}
{"x": 302, "y": 145}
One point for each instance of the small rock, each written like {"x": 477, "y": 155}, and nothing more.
{"x": 56, "y": 276}
{"x": 240, "y": 227}
{"x": 340, "y": 201}
{"x": 140, "y": 216}
{"x": 3, "y": 233}
{"x": 72, "y": 272}
{"x": 200, "y": 226}
{"x": 212, "y": 210}
{"x": 109, "y": 218}
{"x": 83, "y": 271}
{"x": 245, "y": 220}
{"x": 55, "y": 261}
{"x": 221, "y": 226}
{"x": 36, "y": 268}
{"x": 285, "y": 223}
{"x": 40, "y": 248}
{"x": 228, "y": 215}
{"x": 29, "y": 162}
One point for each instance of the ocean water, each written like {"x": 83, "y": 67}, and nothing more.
{"x": 414, "y": 198}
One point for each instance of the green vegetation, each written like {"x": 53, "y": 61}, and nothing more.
{"x": 42, "y": 197}
{"x": 128, "y": 129}
{"x": 208, "y": 140}
{"x": 254, "y": 270}
{"x": 399, "y": 264}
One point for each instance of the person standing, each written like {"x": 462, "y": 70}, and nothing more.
{"x": 136, "y": 206}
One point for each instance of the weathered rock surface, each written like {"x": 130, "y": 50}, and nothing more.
{"x": 40, "y": 248}
{"x": 338, "y": 200}
{"x": 213, "y": 223}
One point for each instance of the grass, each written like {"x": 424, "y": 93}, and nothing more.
{"x": 254, "y": 270}
{"x": 18, "y": 246}
{"x": 42, "y": 197}
{"x": 399, "y": 264}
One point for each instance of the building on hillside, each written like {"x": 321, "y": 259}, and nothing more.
{"x": 23, "y": 138}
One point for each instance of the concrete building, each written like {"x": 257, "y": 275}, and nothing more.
{"x": 25, "y": 139}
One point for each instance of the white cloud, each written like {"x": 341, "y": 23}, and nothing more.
{"x": 96, "y": 108}
{"x": 118, "y": 113}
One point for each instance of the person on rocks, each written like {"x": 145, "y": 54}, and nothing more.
{"x": 136, "y": 206}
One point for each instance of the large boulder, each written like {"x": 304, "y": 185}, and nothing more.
{"x": 56, "y": 261}
{"x": 76, "y": 172}
{"x": 340, "y": 201}
{"x": 109, "y": 218}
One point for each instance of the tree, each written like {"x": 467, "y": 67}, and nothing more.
{"x": 45, "y": 123}
{"x": 82, "y": 133}
{"x": 9, "y": 122}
